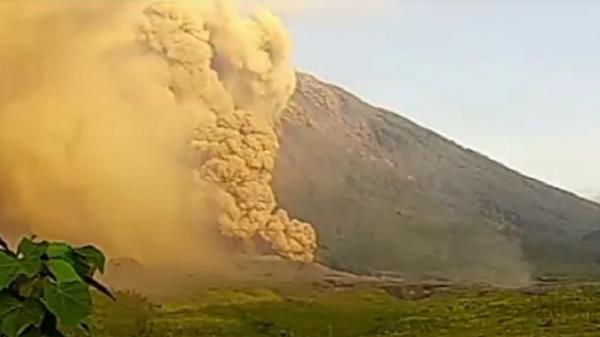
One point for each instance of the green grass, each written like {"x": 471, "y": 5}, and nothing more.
{"x": 564, "y": 311}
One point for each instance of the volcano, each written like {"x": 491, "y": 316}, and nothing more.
{"x": 389, "y": 196}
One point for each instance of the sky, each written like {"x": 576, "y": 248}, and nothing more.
{"x": 516, "y": 80}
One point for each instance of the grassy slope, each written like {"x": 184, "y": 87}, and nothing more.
{"x": 565, "y": 311}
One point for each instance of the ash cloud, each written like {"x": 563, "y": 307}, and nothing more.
{"x": 145, "y": 128}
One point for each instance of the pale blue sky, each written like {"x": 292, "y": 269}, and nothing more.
{"x": 516, "y": 80}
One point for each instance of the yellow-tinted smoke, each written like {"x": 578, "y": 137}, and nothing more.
{"x": 239, "y": 70}
{"x": 99, "y": 104}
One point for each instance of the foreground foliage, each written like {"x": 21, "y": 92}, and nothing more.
{"x": 45, "y": 287}
{"x": 564, "y": 311}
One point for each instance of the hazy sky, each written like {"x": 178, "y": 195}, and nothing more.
{"x": 516, "y": 80}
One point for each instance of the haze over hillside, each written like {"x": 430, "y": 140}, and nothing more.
{"x": 174, "y": 140}
{"x": 388, "y": 195}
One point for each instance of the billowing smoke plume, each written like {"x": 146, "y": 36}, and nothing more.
{"x": 239, "y": 70}
{"x": 144, "y": 128}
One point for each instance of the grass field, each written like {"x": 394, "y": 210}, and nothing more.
{"x": 563, "y": 311}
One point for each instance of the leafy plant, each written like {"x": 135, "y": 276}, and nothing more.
{"x": 45, "y": 287}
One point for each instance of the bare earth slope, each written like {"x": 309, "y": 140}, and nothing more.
{"x": 390, "y": 196}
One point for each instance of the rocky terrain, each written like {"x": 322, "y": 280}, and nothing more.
{"x": 390, "y": 197}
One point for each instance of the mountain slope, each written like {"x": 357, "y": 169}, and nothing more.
{"x": 388, "y": 195}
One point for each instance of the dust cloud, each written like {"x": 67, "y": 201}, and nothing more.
{"x": 148, "y": 129}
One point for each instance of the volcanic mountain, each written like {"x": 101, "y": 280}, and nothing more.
{"x": 388, "y": 196}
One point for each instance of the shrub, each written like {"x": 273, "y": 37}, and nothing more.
{"x": 45, "y": 287}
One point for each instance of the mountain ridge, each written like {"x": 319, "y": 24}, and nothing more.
{"x": 303, "y": 75}
{"x": 382, "y": 177}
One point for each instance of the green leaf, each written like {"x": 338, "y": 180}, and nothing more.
{"x": 93, "y": 256}
{"x": 7, "y": 304}
{"x": 10, "y": 269}
{"x": 28, "y": 247}
{"x": 30, "y": 265}
{"x": 59, "y": 250}
{"x": 63, "y": 271}
{"x": 32, "y": 288}
{"x": 26, "y": 314}
{"x": 70, "y": 302}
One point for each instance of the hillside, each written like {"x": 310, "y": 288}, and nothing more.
{"x": 359, "y": 312}
{"x": 387, "y": 195}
